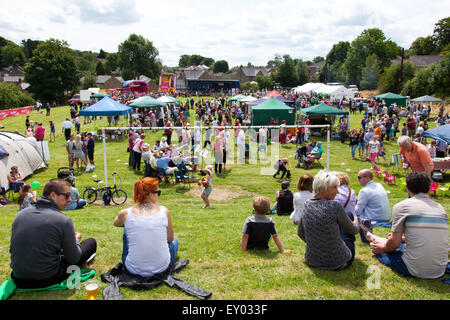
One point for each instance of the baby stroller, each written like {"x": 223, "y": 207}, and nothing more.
{"x": 66, "y": 173}
{"x": 302, "y": 158}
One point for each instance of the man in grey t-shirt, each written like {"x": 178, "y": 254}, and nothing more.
{"x": 423, "y": 253}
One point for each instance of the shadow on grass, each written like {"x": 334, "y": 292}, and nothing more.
{"x": 352, "y": 277}
{"x": 264, "y": 254}
{"x": 43, "y": 295}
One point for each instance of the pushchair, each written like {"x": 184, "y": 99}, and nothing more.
{"x": 302, "y": 158}
{"x": 66, "y": 173}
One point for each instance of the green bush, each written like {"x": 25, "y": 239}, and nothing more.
{"x": 12, "y": 97}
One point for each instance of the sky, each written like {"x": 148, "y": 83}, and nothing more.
{"x": 238, "y": 31}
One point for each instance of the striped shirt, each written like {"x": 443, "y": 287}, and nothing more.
{"x": 424, "y": 224}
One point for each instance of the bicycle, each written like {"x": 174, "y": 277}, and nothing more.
{"x": 117, "y": 196}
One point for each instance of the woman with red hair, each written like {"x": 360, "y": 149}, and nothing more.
{"x": 149, "y": 244}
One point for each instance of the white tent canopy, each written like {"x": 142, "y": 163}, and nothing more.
{"x": 307, "y": 87}
{"x": 165, "y": 99}
{"x": 248, "y": 99}
{"x": 335, "y": 92}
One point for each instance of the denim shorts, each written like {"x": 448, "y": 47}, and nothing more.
{"x": 207, "y": 191}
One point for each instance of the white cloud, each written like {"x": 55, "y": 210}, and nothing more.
{"x": 235, "y": 30}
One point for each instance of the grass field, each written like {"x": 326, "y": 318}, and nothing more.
{"x": 210, "y": 238}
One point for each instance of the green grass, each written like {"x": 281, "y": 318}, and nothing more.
{"x": 210, "y": 239}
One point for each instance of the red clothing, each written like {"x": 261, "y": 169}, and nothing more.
{"x": 39, "y": 133}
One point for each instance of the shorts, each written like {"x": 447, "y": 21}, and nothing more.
{"x": 373, "y": 156}
{"x": 207, "y": 191}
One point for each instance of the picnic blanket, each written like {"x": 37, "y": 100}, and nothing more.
{"x": 118, "y": 276}
{"x": 9, "y": 287}
{"x": 384, "y": 224}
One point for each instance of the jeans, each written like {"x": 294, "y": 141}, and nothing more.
{"x": 81, "y": 203}
{"x": 394, "y": 261}
{"x": 173, "y": 249}
{"x": 349, "y": 240}
{"x": 354, "y": 150}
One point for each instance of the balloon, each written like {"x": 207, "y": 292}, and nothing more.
{"x": 36, "y": 184}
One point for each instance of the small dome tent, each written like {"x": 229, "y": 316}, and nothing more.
{"x": 21, "y": 153}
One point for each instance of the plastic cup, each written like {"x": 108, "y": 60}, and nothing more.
{"x": 91, "y": 290}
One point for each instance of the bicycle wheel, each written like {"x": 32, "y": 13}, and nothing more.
{"x": 90, "y": 195}
{"x": 119, "y": 197}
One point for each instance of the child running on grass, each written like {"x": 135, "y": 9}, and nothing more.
{"x": 258, "y": 229}
{"x": 206, "y": 185}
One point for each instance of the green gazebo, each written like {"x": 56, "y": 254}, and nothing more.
{"x": 272, "y": 108}
{"x": 391, "y": 98}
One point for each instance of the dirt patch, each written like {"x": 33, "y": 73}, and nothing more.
{"x": 222, "y": 194}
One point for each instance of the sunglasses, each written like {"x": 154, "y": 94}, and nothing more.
{"x": 360, "y": 177}
{"x": 158, "y": 192}
{"x": 67, "y": 195}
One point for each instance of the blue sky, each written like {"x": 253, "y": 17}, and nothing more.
{"x": 236, "y": 31}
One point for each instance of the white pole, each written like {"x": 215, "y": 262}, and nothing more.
{"x": 104, "y": 157}
{"x": 328, "y": 148}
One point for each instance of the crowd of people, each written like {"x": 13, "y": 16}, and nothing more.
{"x": 326, "y": 212}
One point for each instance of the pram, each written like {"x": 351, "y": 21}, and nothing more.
{"x": 66, "y": 173}
{"x": 302, "y": 158}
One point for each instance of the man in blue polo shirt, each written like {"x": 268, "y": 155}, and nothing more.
{"x": 162, "y": 162}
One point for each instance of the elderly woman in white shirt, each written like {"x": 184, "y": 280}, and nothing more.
{"x": 304, "y": 185}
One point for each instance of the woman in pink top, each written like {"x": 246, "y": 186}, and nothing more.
{"x": 39, "y": 133}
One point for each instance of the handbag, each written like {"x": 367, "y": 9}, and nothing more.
{"x": 348, "y": 198}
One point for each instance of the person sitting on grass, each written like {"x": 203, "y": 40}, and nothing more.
{"x": 304, "y": 185}
{"x": 258, "y": 229}
{"x": 284, "y": 200}
{"x": 26, "y": 197}
{"x": 147, "y": 223}
{"x": 327, "y": 229}
{"x": 418, "y": 243}
{"x": 44, "y": 243}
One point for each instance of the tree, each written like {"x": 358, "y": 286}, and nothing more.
{"x": 220, "y": 66}
{"x": 441, "y": 33}
{"x": 333, "y": 70}
{"x": 287, "y": 74}
{"x": 28, "y": 47}
{"x": 318, "y": 59}
{"x": 111, "y": 62}
{"x": 102, "y": 54}
{"x": 52, "y": 70}
{"x": 195, "y": 60}
{"x": 440, "y": 77}
{"x": 370, "y": 41}
{"x": 265, "y": 82}
{"x": 100, "y": 69}
{"x": 370, "y": 73}
{"x": 138, "y": 56}
{"x": 275, "y": 63}
{"x": 422, "y": 46}
{"x": 89, "y": 81}
{"x": 390, "y": 79}
{"x": 12, "y": 97}
{"x": 12, "y": 55}
{"x": 302, "y": 71}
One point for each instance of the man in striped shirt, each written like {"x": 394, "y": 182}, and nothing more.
{"x": 418, "y": 243}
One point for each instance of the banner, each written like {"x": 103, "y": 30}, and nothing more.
{"x": 14, "y": 112}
